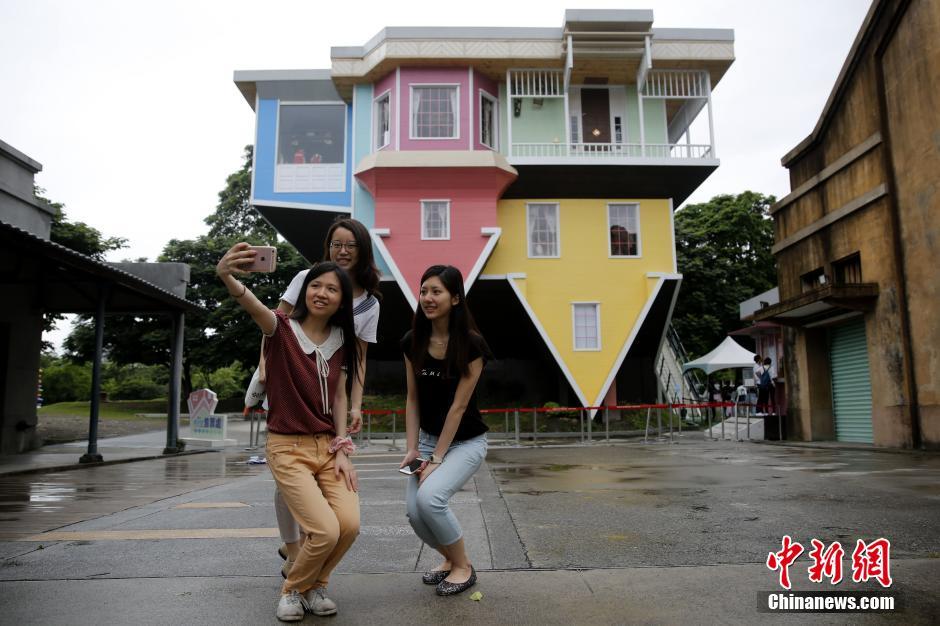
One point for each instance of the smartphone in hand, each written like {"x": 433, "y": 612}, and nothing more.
{"x": 265, "y": 259}
{"x": 412, "y": 467}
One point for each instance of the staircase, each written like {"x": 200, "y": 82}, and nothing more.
{"x": 675, "y": 386}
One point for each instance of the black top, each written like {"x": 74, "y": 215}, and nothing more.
{"x": 436, "y": 391}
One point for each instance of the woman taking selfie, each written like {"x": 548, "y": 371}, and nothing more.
{"x": 348, "y": 245}
{"x": 444, "y": 357}
{"x": 311, "y": 359}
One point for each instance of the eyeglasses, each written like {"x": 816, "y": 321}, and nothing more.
{"x": 349, "y": 245}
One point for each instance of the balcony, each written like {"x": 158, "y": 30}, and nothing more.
{"x": 621, "y": 137}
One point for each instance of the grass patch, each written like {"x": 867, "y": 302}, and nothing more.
{"x": 122, "y": 409}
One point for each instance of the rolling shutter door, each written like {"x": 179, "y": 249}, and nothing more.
{"x": 851, "y": 382}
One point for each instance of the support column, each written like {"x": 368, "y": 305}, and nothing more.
{"x": 92, "y": 455}
{"x": 176, "y": 374}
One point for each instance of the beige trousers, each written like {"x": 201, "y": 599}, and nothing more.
{"x": 327, "y": 511}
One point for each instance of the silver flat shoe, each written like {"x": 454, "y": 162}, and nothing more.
{"x": 445, "y": 588}
{"x": 434, "y": 577}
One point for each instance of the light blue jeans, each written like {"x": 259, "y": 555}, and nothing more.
{"x": 427, "y": 506}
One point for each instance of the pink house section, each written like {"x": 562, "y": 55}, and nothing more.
{"x": 468, "y": 100}
{"x": 421, "y": 76}
{"x": 386, "y": 85}
{"x": 398, "y": 192}
{"x": 485, "y": 84}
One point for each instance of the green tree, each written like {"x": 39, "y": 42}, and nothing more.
{"x": 221, "y": 335}
{"x": 63, "y": 381}
{"x": 78, "y": 236}
{"x": 723, "y": 252}
{"x": 234, "y": 217}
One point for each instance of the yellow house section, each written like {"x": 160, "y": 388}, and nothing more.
{"x": 585, "y": 272}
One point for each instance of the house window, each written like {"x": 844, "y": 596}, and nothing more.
{"x": 434, "y": 112}
{"x": 542, "y": 226}
{"x": 575, "y": 130}
{"x": 618, "y": 129}
{"x": 311, "y": 147}
{"x": 848, "y": 271}
{"x": 382, "y": 117}
{"x": 623, "y": 221}
{"x": 435, "y": 219}
{"x": 813, "y": 280}
{"x": 488, "y": 108}
{"x": 586, "y": 317}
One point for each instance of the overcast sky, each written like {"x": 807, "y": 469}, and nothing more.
{"x": 131, "y": 109}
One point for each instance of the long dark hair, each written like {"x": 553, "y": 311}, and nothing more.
{"x": 342, "y": 318}
{"x": 461, "y": 328}
{"x": 366, "y": 273}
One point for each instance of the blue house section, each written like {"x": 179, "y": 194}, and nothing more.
{"x": 363, "y": 204}
{"x": 266, "y": 161}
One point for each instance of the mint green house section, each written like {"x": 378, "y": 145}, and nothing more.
{"x": 547, "y": 123}
{"x": 654, "y": 118}
{"x": 363, "y": 204}
{"x": 540, "y": 124}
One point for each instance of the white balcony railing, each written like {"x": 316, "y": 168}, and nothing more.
{"x": 611, "y": 150}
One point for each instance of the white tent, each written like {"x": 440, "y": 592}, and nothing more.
{"x": 728, "y": 355}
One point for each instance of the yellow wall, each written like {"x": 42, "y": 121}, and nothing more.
{"x": 584, "y": 272}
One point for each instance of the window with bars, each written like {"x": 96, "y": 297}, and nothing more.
{"x": 434, "y": 112}
{"x": 488, "y": 110}
{"x": 624, "y": 223}
{"x": 382, "y": 121}
{"x": 575, "y": 130}
{"x": 586, "y": 317}
{"x": 435, "y": 219}
{"x": 542, "y": 226}
{"x": 848, "y": 271}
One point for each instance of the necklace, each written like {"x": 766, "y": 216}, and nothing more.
{"x": 440, "y": 343}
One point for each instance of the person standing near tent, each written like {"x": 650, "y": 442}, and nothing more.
{"x": 755, "y": 375}
{"x": 765, "y": 388}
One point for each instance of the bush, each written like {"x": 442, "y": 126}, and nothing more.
{"x": 226, "y": 382}
{"x": 66, "y": 382}
{"x": 134, "y": 382}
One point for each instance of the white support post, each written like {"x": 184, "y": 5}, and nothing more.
{"x": 568, "y": 65}
{"x": 711, "y": 122}
{"x": 509, "y": 105}
{"x": 639, "y": 97}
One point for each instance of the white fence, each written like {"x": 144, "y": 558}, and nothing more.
{"x": 612, "y": 150}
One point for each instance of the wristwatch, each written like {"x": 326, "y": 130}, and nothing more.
{"x": 435, "y": 460}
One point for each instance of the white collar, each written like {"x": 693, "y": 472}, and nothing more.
{"x": 328, "y": 348}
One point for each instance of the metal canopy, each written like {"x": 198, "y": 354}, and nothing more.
{"x": 65, "y": 281}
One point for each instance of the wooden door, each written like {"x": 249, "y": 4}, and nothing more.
{"x": 595, "y": 115}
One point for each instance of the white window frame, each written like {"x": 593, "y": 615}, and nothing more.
{"x": 528, "y": 231}
{"x": 385, "y": 95}
{"x": 424, "y": 235}
{"x": 495, "y": 125}
{"x": 411, "y": 116}
{"x": 574, "y": 326}
{"x": 639, "y": 238}
{"x": 341, "y": 188}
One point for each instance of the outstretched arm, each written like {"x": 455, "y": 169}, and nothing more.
{"x": 239, "y": 255}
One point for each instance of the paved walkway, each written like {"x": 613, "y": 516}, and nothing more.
{"x": 605, "y": 534}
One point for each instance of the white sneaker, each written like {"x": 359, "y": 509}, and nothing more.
{"x": 290, "y": 608}
{"x": 318, "y": 603}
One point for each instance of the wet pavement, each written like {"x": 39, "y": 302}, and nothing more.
{"x": 622, "y": 533}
